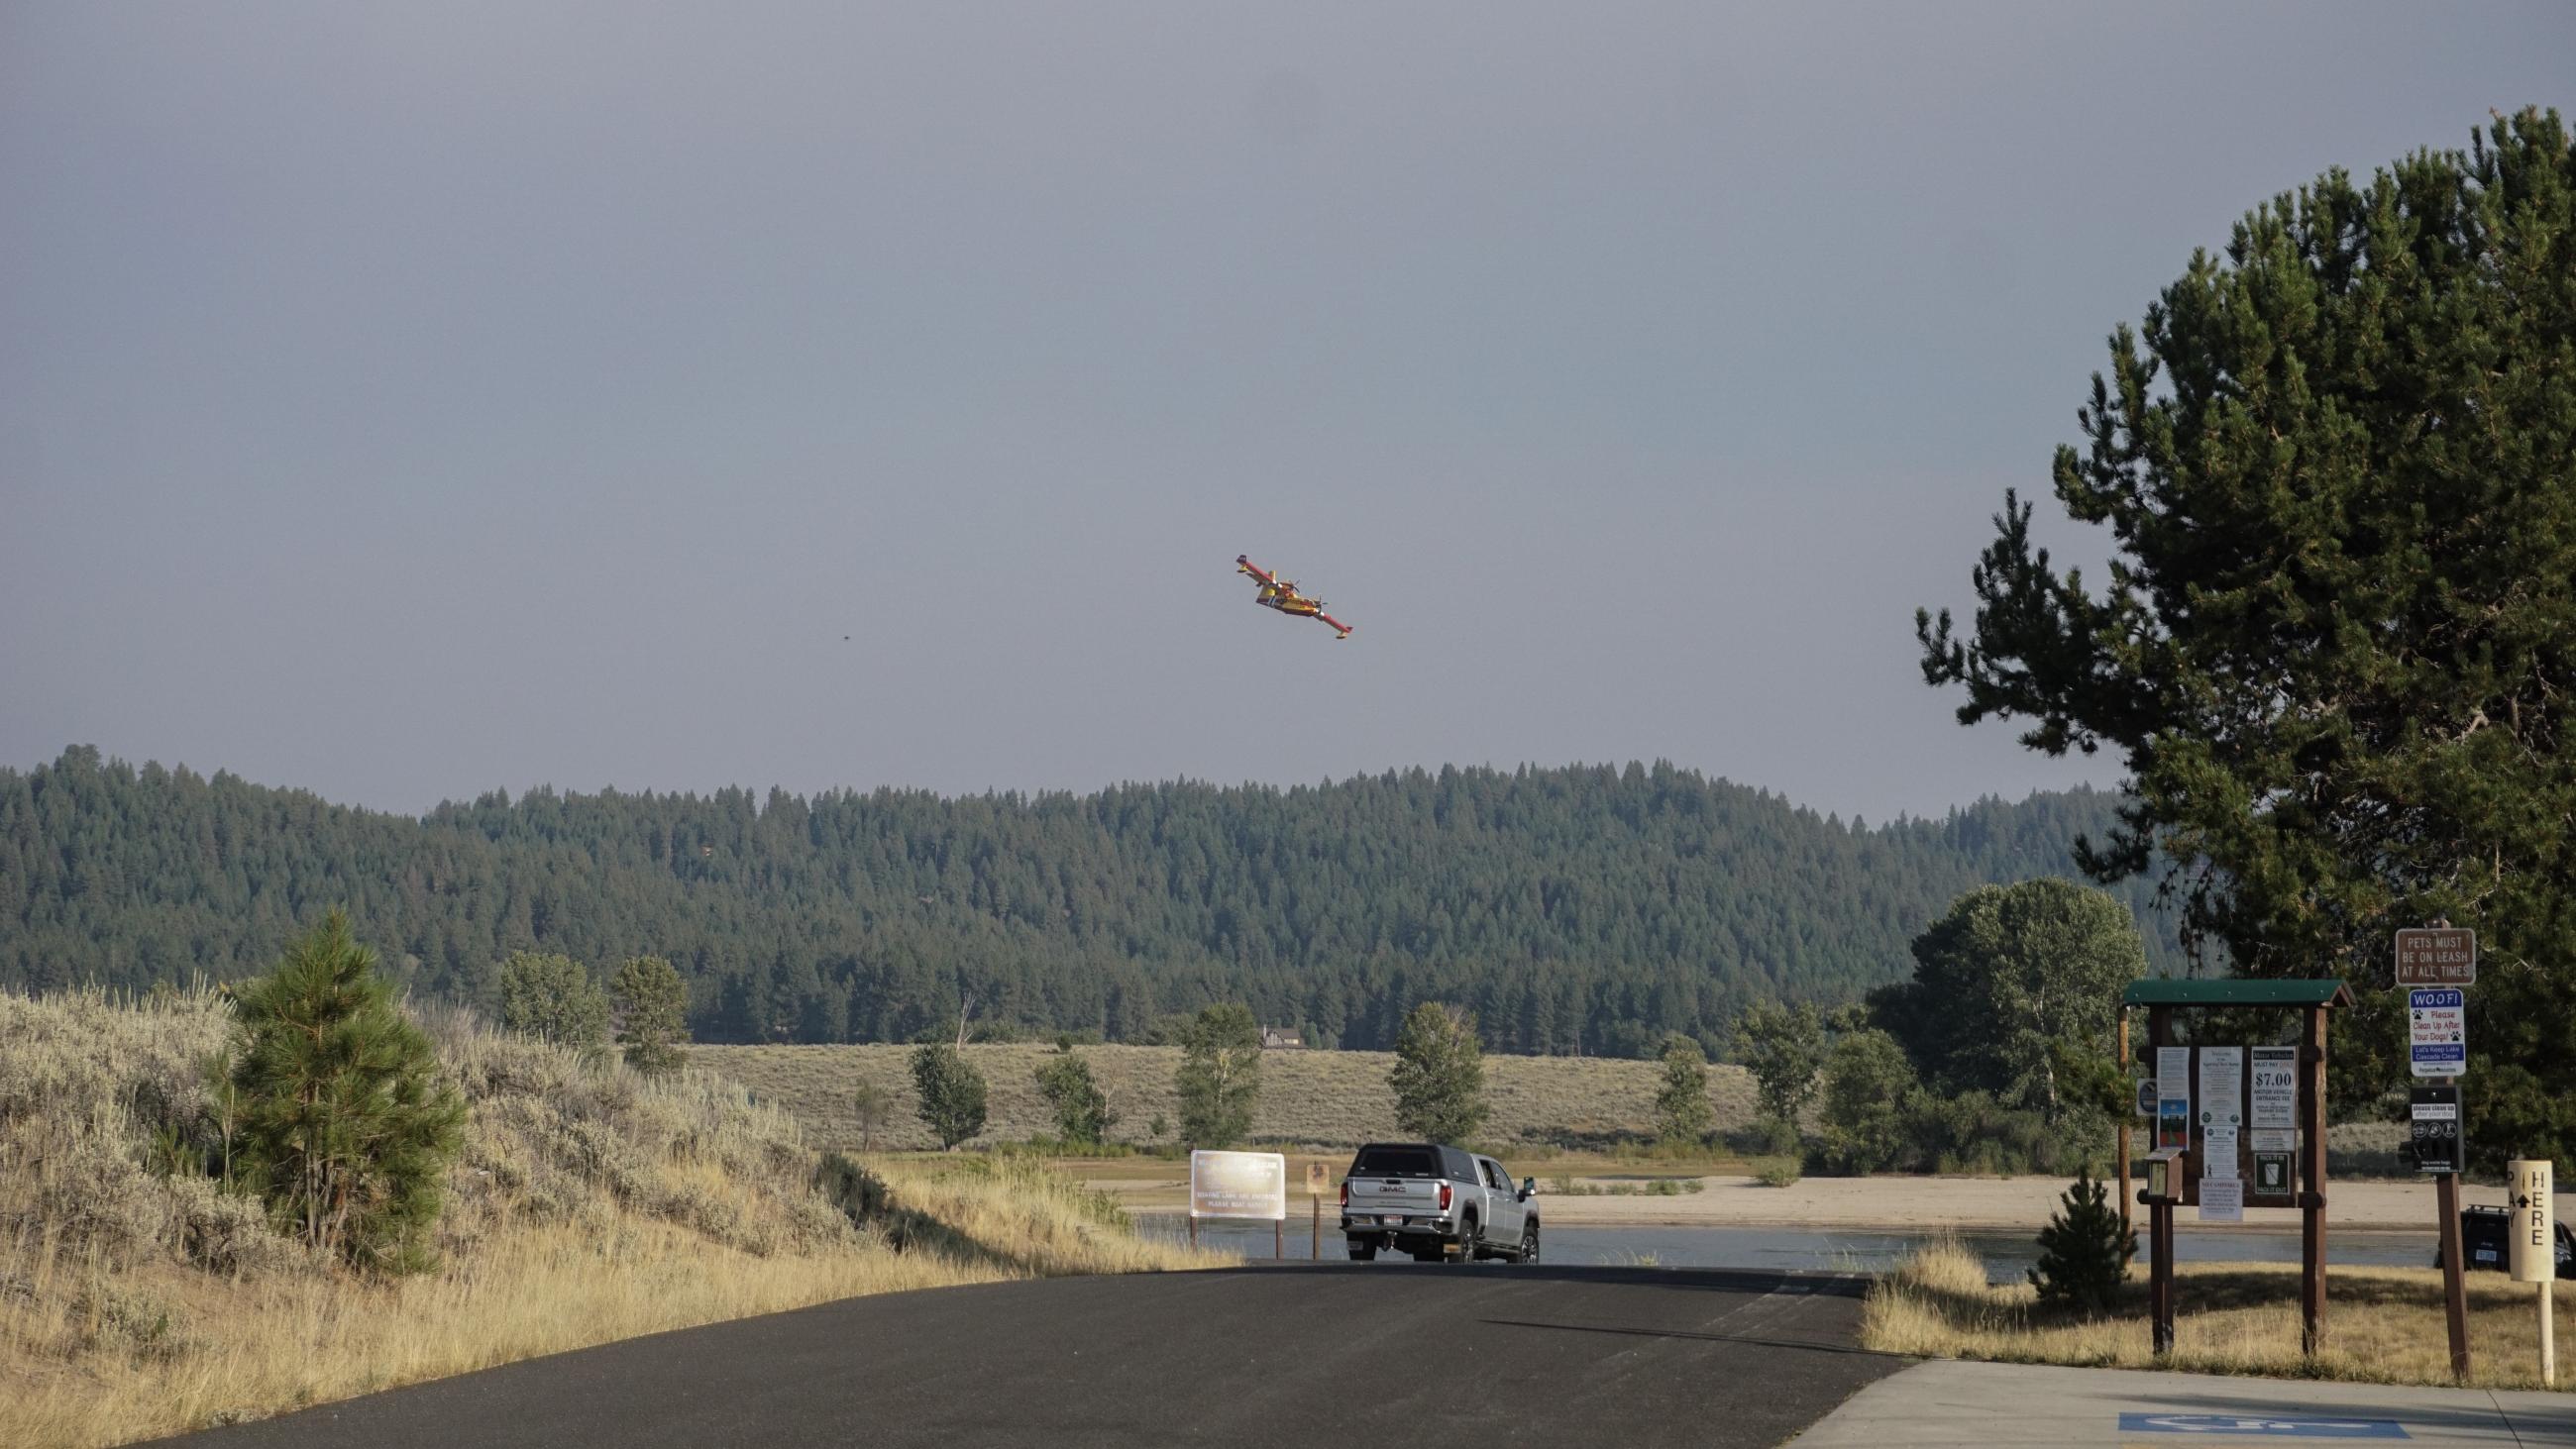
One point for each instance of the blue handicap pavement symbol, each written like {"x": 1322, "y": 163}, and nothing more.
{"x": 2277, "y": 1426}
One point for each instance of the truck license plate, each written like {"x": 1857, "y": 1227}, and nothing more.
{"x": 1391, "y": 1221}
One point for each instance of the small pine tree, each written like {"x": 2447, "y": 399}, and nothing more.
{"x": 952, "y": 1093}
{"x": 1682, "y": 1112}
{"x": 1081, "y": 1110}
{"x": 343, "y": 1122}
{"x": 1439, "y": 1074}
{"x": 653, "y": 1014}
{"x": 553, "y": 998}
{"x": 2083, "y": 1252}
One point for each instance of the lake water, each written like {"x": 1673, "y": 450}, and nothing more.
{"x": 1798, "y": 1249}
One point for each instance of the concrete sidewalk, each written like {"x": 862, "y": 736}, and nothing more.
{"x": 1952, "y": 1403}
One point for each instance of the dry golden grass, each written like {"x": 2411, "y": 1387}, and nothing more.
{"x": 1308, "y": 1098}
{"x": 589, "y": 1205}
{"x": 2383, "y": 1325}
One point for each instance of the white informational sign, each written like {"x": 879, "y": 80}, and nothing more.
{"x": 2222, "y": 1199}
{"x": 2535, "y": 1257}
{"x": 2437, "y": 1031}
{"x": 2146, "y": 1096}
{"x": 1238, "y": 1185}
{"x": 2173, "y": 1073}
{"x": 2222, "y": 1087}
{"x": 2217, "y": 1150}
{"x": 2276, "y": 1090}
{"x": 2272, "y": 1139}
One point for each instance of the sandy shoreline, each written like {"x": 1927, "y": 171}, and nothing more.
{"x": 1897, "y": 1205}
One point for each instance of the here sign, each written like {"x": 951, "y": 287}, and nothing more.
{"x": 2535, "y": 1257}
{"x": 2437, "y": 956}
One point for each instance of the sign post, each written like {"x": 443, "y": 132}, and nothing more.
{"x": 1318, "y": 1177}
{"x": 2435, "y": 966}
{"x": 2534, "y": 1253}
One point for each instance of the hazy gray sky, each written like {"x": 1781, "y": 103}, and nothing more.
{"x": 406, "y": 402}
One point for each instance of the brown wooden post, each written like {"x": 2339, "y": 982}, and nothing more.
{"x": 2162, "y": 1272}
{"x": 1315, "y": 1202}
{"x": 2126, "y": 1228}
{"x": 2312, "y": 1201}
{"x": 1194, "y": 1230}
{"x": 2455, "y": 1293}
{"x": 1278, "y": 1239}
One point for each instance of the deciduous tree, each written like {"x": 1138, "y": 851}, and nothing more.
{"x": 2010, "y": 980}
{"x": 1081, "y": 1109}
{"x": 1682, "y": 1110}
{"x": 553, "y": 997}
{"x": 1439, "y": 1075}
{"x": 1219, "y": 1079}
{"x": 1784, "y": 1048}
{"x": 951, "y": 1092}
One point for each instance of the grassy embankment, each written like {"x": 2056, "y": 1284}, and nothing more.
{"x": 1322, "y": 1099}
{"x": 2383, "y": 1325}
{"x": 589, "y": 1204}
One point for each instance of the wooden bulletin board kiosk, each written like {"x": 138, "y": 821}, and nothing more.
{"x": 2229, "y": 1112}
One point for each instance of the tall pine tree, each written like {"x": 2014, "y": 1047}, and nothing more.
{"x": 2336, "y": 647}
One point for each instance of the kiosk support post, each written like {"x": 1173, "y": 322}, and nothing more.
{"x": 2312, "y": 1171}
{"x": 2127, "y": 1229}
{"x": 2160, "y": 1245}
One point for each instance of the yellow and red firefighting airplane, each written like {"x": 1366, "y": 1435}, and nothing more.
{"x": 1281, "y": 594}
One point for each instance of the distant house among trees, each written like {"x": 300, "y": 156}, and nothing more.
{"x": 1276, "y": 1037}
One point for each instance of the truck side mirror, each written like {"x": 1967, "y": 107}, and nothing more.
{"x": 1529, "y": 1188}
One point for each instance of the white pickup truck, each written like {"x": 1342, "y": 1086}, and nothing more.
{"x": 1438, "y": 1203}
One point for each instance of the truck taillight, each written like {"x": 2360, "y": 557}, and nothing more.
{"x": 1444, "y": 1197}
{"x": 1346, "y": 1192}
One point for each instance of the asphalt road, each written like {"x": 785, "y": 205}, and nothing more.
{"x": 1319, "y": 1354}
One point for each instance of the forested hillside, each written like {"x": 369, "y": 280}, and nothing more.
{"x": 1575, "y": 910}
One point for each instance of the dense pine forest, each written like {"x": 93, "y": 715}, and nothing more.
{"x": 1579, "y": 910}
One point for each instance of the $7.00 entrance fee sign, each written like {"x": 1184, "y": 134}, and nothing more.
{"x": 2437, "y": 1031}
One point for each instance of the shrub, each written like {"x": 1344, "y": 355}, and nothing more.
{"x": 1777, "y": 1171}
{"x": 2084, "y": 1252}
{"x": 344, "y": 1124}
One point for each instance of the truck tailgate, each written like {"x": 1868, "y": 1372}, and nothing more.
{"x": 1393, "y": 1197}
